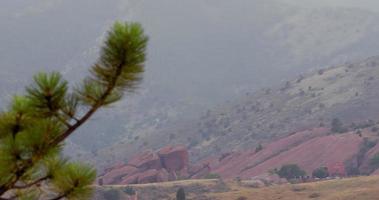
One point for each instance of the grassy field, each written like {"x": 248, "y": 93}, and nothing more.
{"x": 362, "y": 188}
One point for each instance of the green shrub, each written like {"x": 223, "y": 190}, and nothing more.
{"x": 129, "y": 191}
{"x": 337, "y": 126}
{"x": 212, "y": 176}
{"x": 374, "y": 162}
{"x": 291, "y": 171}
{"x": 258, "y": 148}
{"x": 321, "y": 172}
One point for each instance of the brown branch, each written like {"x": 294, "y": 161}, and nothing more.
{"x": 63, "y": 121}
{"x": 93, "y": 109}
{"x": 31, "y": 184}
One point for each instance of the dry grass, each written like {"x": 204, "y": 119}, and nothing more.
{"x": 362, "y": 188}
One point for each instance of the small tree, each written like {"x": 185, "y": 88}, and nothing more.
{"x": 34, "y": 127}
{"x": 337, "y": 126}
{"x": 180, "y": 194}
{"x": 258, "y": 148}
{"x": 130, "y": 191}
{"x": 374, "y": 162}
{"x": 321, "y": 172}
{"x": 291, "y": 171}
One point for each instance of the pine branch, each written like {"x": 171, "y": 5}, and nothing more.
{"x": 36, "y": 182}
{"x": 62, "y": 120}
{"x": 93, "y": 109}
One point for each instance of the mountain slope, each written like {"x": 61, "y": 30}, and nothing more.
{"x": 347, "y": 92}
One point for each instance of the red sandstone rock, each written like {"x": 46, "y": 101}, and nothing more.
{"x": 174, "y": 158}
{"x": 132, "y": 179}
{"x": 169, "y": 163}
{"x": 317, "y": 152}
{"x": 309, "y": 149}
{"x": 199, "y": 171}
{"x": 145, "y": 161}
{"x": 149, "y": 176}
{"x": 115, "y": 176}
{"x": 234, "y": 164}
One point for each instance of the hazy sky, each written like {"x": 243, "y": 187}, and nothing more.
{"x": 372, "y": 5}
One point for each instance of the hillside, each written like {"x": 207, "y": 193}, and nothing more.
{"x": 347, "y": 92}
{"x": 361, "y": 188}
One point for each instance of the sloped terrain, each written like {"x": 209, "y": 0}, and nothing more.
{"x": 347, "y": 92}
{"x": 344, "y": 154}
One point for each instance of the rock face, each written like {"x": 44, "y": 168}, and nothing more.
{"x": 167, "y": 164}
{"x": 309, "y": 149}
{"x": 174, "y": 158}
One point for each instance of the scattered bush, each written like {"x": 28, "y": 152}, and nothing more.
{"x": 291, "y": 171}
{"x": 298, "y": 189}
{"x": 212, "y": 176}
{"x": 374, "y": 129}
{"x": 321, "y": 172}
{"x": 129, "y": 191}
{"x": 337, "y": 126}
{"x": 242, "y": 198}
{"x": 374, "y": 162}
{"x": 258, "y": 148}
{"x": 314, "y": 195}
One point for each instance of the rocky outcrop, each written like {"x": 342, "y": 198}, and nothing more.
{"x": 167, "y": 164}
{"x": 309, "y": 149}
{"x": 145, "y": 161}
{"x": 174, "y": 158}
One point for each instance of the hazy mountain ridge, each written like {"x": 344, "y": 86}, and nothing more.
{"x": 346, "y": 92}
{"x": 277, "y": 29}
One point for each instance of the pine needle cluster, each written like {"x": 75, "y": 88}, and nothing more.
{"x": 34, "y": 127}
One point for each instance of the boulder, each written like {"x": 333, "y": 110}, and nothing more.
{"x": 174, "y": 158}
{"x": 149, "y": 176}
{"x": 132, "y": 179}
{"x": 146, "y": 161}
{"x": 168, "y": 164}
{"x": 199, "y": 171}
{"x": 116, "y": 175}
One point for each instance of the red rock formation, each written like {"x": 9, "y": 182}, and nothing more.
{"x": 309, "y": 149}
{"x": 168, "y": 164}
{"x": 236, "y": 163}
{"x": 174, "y": 158}
{"x": 317, "y": 152}
{"x": 145, "y": 161}
{"x": 116, "y": 175}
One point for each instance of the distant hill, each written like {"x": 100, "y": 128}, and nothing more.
{"x": 347, "y": 92}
